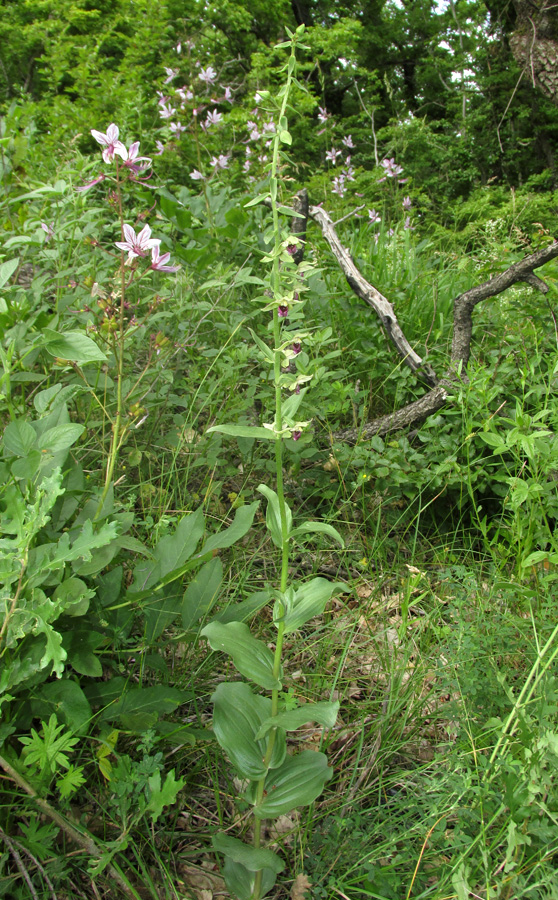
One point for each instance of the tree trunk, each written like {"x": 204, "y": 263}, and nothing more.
{"x": 534, "y": 44}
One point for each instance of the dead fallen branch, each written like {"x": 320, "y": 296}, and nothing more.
{"x": 464, "y": 304}
{"x": 363, "y": 289}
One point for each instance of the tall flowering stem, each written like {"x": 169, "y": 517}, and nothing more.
{"x": 118, "y": 325}
{"x": 118, "y": 344}
{"x": 249, "y": 726}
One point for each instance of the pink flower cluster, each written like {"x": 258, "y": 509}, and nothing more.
{"x": 135, "y": 245}
{"x": 208, "y": 118}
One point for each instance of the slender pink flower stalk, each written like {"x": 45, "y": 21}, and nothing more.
{"x": 90, "y": 184}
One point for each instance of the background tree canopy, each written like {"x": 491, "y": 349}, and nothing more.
{"x": 455, "y": 90}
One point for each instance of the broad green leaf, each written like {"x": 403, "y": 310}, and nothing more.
{"x": 267, "y": 351}
{"x": 285, "y": 137}
{"x": 7, "y": 269}
{"x": 74, "y": 346}
{"x": 324, "y": 713}
{"x": 140, "y": 708}
{"x": 66, "y": 699}
{"x": 241, "y": 525}
{"x": 249, "y": 431}
{"x": 238, "y": 714}
{"x": 252, "y": 858}
{"x": 240, "y": 612}
{"x": 291, "y": 404}
{"x": 259, "y": 199}
{"x": 308, "y": 601}
{"x": 59, "y": 438}
{"x": 251, "y": 657}
{"x": 318, "y": 528}
{"x": 273, "y": 515}
{"x": 201, "y": 593}
{"x": 171, "y": 553}
{"x": 159, "y": 612}
{"x": 539, "y": 556}
{"x": 80, "y": 646}
{"x": 493, "y": 440}
{"x": 72, "y": 597}
{"x": 240, "y": 881}
{"x": 297, "y": 782}
{"x": 27, "y": 467}
{"x": 288, "y": 211}
{"x": 19, "y": 437}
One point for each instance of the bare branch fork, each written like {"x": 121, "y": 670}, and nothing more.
{"x": 463, "y": 308}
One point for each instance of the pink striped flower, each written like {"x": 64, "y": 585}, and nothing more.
{"x": 137, "y": 244}
{"x": 158, "y": 261}
{"x": 110, "y": 142}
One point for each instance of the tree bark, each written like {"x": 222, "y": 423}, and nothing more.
{"x": 534, "y": 43}
{"x": 363, "y": 289}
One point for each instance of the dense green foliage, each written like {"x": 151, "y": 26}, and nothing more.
{"x": 138, "y": 394}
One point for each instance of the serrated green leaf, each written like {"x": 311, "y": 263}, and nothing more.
{"x": 251, "y": 657}
{"x": 318, "y": 528}
{"x": 202, "y": 592}
{"x": 238, "y": 714}
{"x": 296, "y": 783}
{"x": 252, "y": 858}
{"x": 324, "y": 713}
{"x": 164, "y": 795}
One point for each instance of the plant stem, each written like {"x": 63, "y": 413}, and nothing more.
{"x": 84, "y": 840}
{"x": 116, "y": 436}
{"x": 276, "y": 287}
